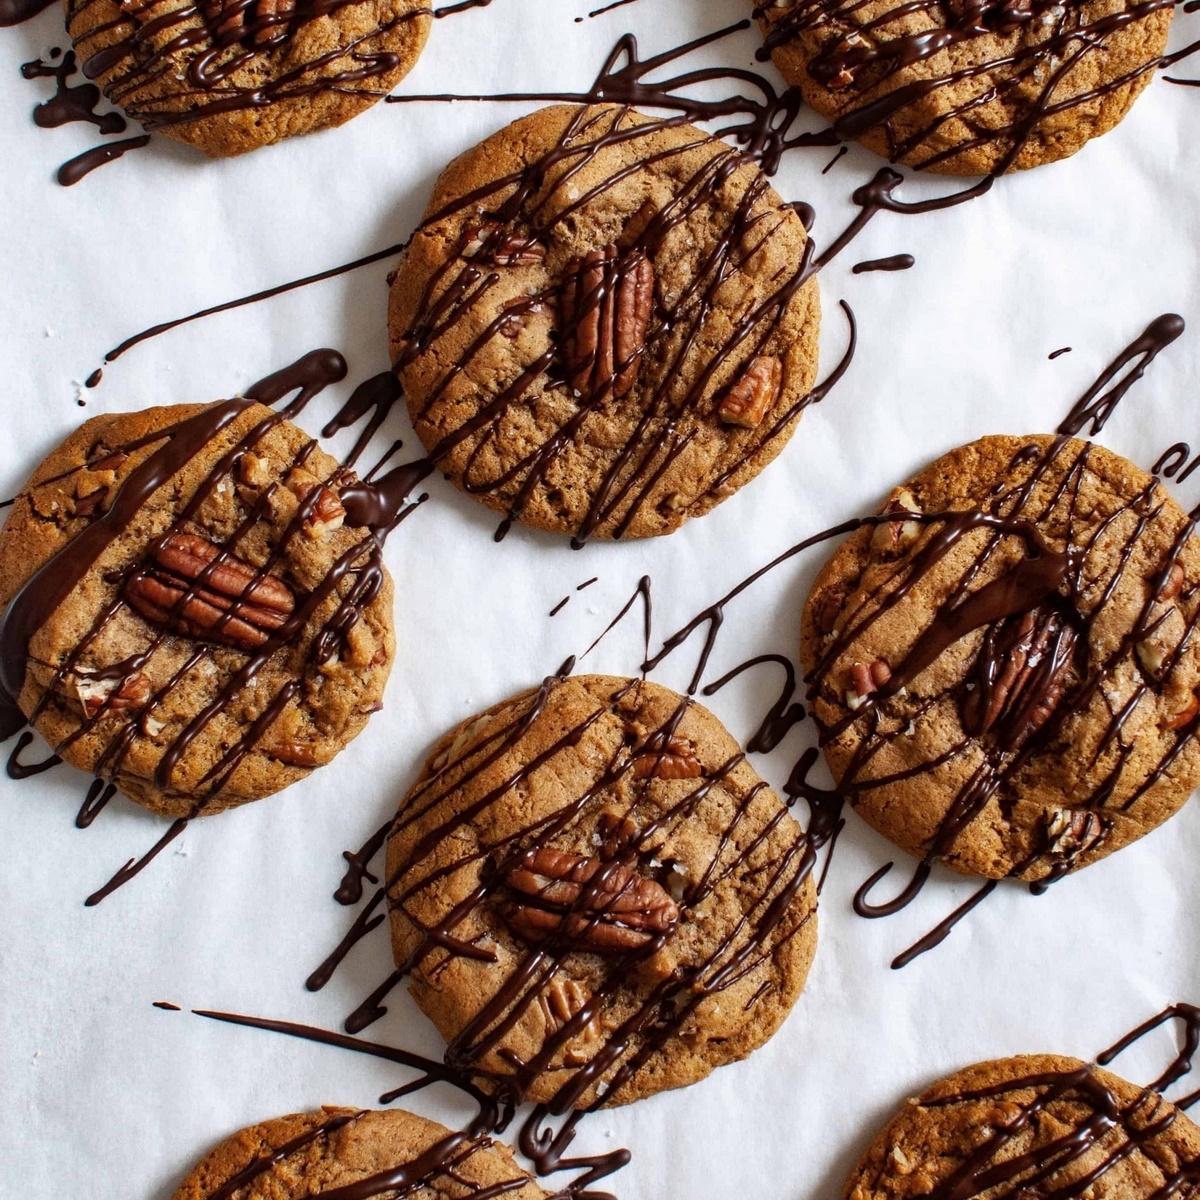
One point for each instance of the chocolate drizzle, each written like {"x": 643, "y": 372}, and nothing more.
{"x": 545, "y": 1147}
{"x": 1035, "y": 579}
{"x": 354, "y": 578}
{"x": 1064, "y": 1140}
{"x": 866, "y": 60}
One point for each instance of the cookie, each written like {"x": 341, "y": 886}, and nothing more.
{"x": 1004, "y": 673}
{"x": 348, "y": 1153}
{"x": 605, "y": 323}
{"x": 1036, "y": 1126}
{"x": 189, "y": 609}
{"x": 968, "y": 87}
{"x": 228, "y": 76}
{"x": 597, "y": 896}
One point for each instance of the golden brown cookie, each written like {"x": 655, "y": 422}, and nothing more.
{"x": 968, "y": 87}
{"x": 1037, "y": 1127}
{"x": 189, "y": 612}
{"x": 597, "y": 896}
{"x": 342, "y": 1153}
{"x": 605, "y": 323}
{"x": 229, "y": 76}
{"x": 1005, "y": 672}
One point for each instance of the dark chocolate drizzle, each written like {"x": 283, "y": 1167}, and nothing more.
{"x": 543, "y": 1146}
{"x": 1101, "y": 1130}
{"x": 1038, "y": 576}
{"x": 897, "y": 262}
{"x": 69, "y": 103}
{"x": 375, "y": 508}
{"x": 873, "y": 55}
{"x": 74, "y": 169}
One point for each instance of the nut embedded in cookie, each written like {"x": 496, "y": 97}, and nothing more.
{"x": 1037, "y": 630}
{"x": 558, "y": 905}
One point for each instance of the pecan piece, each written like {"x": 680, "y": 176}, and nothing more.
{"x": 1185, "y": 716}
{"x": 558, "y": 1003}
{"x": 604, "y": 309}
{"x": 504, "y": 249}
{"x": 662, "y": 757}
{"x": 263, "y": 24}
{"x": 603, "y": 908}
{"x": 1072, "y": 832}
{"x": 194, "y": 588}
{"x": 1022, "y": 672}
{"x": 295, "y": 754}
{"x": 754, "y": 394}
{"x": 1172, "y": 584}
{"x": 112, "y": 695}
{"x": 866, "y": 678}
{"x": 894, "y": 536}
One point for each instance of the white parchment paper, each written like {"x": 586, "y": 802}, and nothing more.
{"x": 103, "y": 1096}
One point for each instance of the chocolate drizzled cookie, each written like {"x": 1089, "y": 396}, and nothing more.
{"x": 229, "y": 76}
{"x": 1035, "y": 1127}
{"x": 605, "y": 323}
{"x": 1005, "y": 672}
{"x": 348, "y": 1154}
{"x": 968, "y": 87}
{"x": 191, "y": 611}
{"x": 596, "y": 896}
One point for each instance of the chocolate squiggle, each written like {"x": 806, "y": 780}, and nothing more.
{"x": 357, "y": 573}
{"x": 1005, "y": 511}
{"x": 869, "y": 60}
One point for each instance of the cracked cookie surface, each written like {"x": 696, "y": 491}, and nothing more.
{"x": 968, "y": 87}
{"x": 597, "y": 896}
{"x": 1004, "y": 672}
{"x": 605, "y": 323}
{"x": 1037, "y": 1125}
{"x": 202, "y": 631}
{"x": 228, "y": 76}
{"x": 370, "y": 1153}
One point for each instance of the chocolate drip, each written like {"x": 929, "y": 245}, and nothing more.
{"x": 167, "y": 1006}
{"x": 1096, "y": 407}
{"x": 74, "y": 169}
{"x": 136, "y": 866}
{"x": 897, "y": 262}
{"x": 13, "y": 12}
{"x": 98, "y": 795}
{"x": 69, "y": 103}
{"x": 782, "y": 716}
{"x": 253, "y": 298}
{"x": 350, "y": 890}
{"x": 19, "y": 770}
{"x": 1058, "y": 353}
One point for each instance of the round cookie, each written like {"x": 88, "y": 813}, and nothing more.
{"x": 1004, "y": 673}
{"x": 605, "y": 323}
{"x": 189, "y": 611}
{"x": 968, "y": 87}
{"x": 1035, "y": 1126}
{"x": 229, "y": 76}
{"x": 597, "y": 896}
{"x": 345, "y": 1152}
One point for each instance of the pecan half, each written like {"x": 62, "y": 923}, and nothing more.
{"x": 194, "y": 588}
{"x": 604, "y": 309}
{"x": 754, "y": 394}
{"x": 866, "y": 678}
{"x": 604, "y": 908}
{"x": 263, "y": 24}
{"x": 662, "y": 757}
{"x": 1021, "y": 674}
